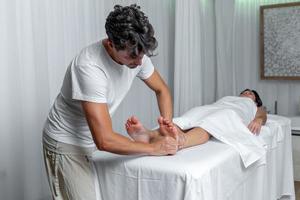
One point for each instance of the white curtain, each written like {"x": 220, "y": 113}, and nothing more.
{"x": 217, "y": 54}
{"x": 38, "y": 40}
{"x": 194, "y": 73}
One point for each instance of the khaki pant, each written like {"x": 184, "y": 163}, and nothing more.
{"x": 70, "y": 171}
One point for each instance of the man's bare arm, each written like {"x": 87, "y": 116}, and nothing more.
{"x": 106, "y": 139}
{"x": 163, "y": 95}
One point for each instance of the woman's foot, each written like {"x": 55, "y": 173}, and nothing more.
{"x": 136, "y": 130}
{"x": 167, "y": 128}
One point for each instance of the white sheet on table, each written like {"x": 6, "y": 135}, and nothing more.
{"x": 191, "y": 174}
{"x": 227, "y": 120}
{"x": 210, "y": 171}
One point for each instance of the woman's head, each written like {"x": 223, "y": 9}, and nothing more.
{"x": 252, "y": 94}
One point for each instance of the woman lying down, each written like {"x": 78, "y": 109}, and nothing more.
{"x": 233, "y": 120}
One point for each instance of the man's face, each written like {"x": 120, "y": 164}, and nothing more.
{"x": 248, "y": 94}
{"x": 123, "y": 57}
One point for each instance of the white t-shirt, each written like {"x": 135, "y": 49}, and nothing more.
{"x": 91, "y": 76}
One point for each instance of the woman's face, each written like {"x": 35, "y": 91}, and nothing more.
{"x": 248, "y": 94}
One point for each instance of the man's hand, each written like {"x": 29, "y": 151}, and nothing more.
{"x": 181, "y": 140}
{"x": 255, "y": 126}
{"x": 164, "y": 146}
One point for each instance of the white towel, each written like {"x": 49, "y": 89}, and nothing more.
{"x": 227, "y": 120}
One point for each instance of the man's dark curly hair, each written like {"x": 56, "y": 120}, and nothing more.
{"x": 128, "y": 28}
{"x": 258, "y": 100}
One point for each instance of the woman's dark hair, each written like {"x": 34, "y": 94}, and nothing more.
{"x": 128, "y": 28}
{"x": 258, "y": 101}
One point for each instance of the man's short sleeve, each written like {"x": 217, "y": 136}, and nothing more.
{"x": 147, "y": 68}
{"x": 89, "y": 83}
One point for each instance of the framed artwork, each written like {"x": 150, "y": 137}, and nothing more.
{"x": 280, "y": 41}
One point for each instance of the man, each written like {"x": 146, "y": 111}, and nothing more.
{"x": 95, "y": 83}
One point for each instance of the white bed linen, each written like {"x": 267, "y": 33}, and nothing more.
{"x": 212, "y": 171}
{"x": 227, "y": 120}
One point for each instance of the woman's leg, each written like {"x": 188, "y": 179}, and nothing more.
{"x": 138, "y": 132}
{"x": 192, "y": 137}
{"x": 187, "y": 138}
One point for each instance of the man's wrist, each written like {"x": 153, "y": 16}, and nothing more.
{"x": 151, "y": 149}
{"x": 168, "y": 117}
{"x": 182, "y": 141}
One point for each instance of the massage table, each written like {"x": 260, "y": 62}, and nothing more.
{"x": 211, "y": 171}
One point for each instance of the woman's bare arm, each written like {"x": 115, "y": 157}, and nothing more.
{"x": 259, "y": 120}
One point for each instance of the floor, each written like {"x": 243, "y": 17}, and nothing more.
{"x": 297, "y": 190}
